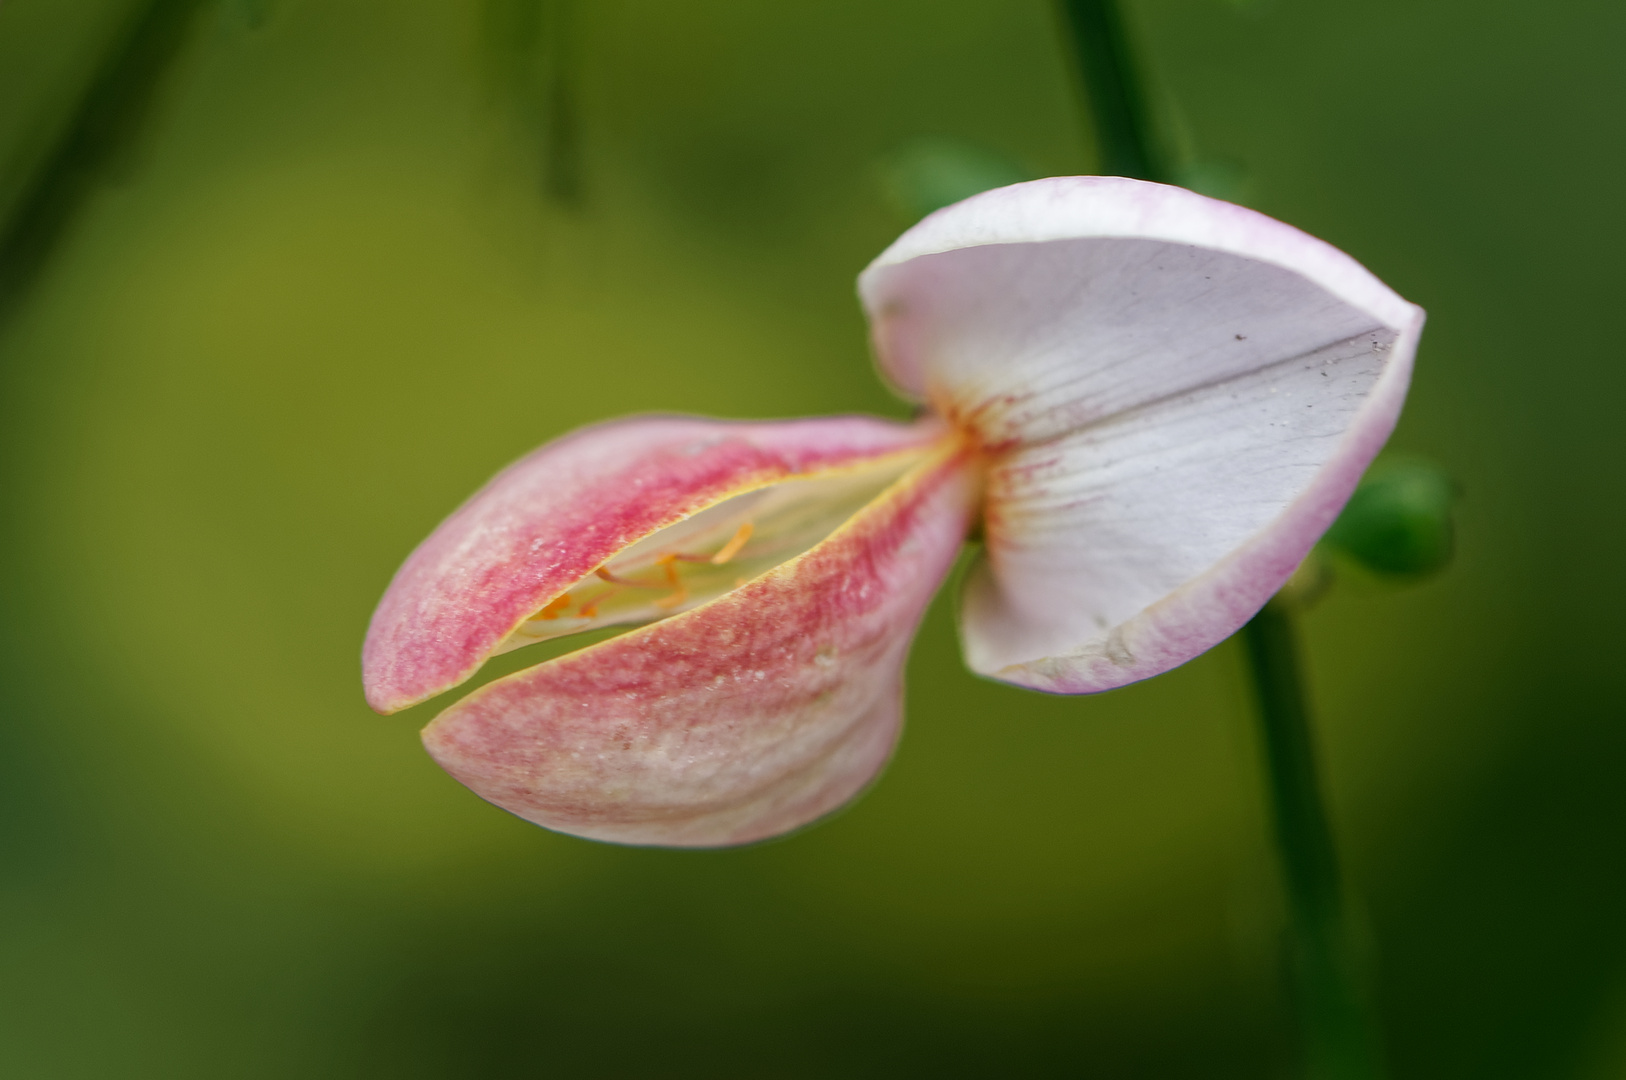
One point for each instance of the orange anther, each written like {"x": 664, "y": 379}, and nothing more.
{"x": 590, "y": 609}
{"x": 555, "y": 607}
{"x": 732, "y": 548}
{"x": 680, "y": 593}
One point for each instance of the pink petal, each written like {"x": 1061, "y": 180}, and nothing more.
{"x": 1176, "y": 396}
{"x": 741, "y": 719}
{"x": 559, "y": 513}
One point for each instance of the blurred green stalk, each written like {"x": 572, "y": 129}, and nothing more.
{"x": 1339, "y": 1040}
{"x": 564, "y": 170}
{"x": 99, "y": 137}
{"x": 1113, "y": 94}
{"x": 532, "y": 52}
{"x": 1338, "y": 1034}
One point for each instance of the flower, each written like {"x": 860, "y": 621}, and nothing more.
{"x": 1153, "y": 403}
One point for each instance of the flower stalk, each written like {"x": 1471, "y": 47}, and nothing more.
{"x": 1338, "y": 1034}
{"x": 1113, "y": 90}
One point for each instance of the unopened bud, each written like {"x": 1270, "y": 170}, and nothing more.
{"x": 1398, "y": 522}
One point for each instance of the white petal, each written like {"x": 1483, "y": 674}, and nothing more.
{"x": 1177, "y": 394}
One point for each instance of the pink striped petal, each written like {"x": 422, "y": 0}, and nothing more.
{"x": 1175, "y": 396}
{"x": 741, "y": 719}
{"x": 554, "y": 517}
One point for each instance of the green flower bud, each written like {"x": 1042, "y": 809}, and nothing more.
{"x": 1398, "y": 522}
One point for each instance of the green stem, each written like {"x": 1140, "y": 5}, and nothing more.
{"x": 1113, "y": 90}
{"x": 532, "y": 51}
{"x": 561, "y": 117}
{"x": 1339, "y": 1037}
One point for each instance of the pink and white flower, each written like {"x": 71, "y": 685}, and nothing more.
{"x": 1153, "y": 403}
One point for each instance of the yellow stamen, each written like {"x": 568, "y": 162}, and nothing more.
{"x": 732, "y": 548}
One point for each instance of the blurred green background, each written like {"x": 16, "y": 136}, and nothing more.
{"x": 358, "y": 254}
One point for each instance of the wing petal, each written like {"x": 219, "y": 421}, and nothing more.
{"x": 1175, "y": 396}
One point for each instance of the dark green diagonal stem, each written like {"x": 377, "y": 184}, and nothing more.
{"x": 1338, "y": 1035}
{"x": 1113, "y": 90}
{"x": 99, "y": 135}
